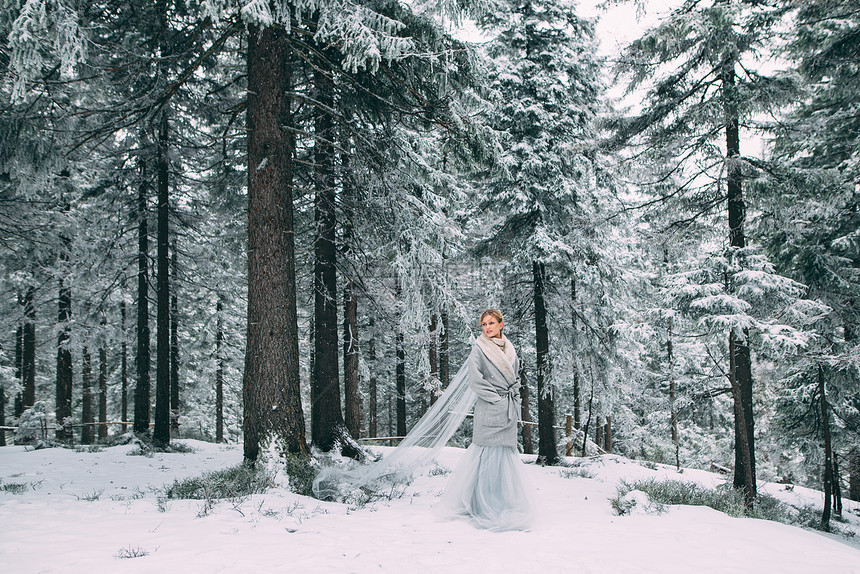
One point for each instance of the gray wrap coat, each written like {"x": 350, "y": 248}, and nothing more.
{"x": 499, "y": 404}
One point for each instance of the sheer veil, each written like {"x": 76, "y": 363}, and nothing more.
{"x": 423, "y": 442}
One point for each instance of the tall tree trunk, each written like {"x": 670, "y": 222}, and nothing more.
{"x": 161, "y": 431}
{"x": 328, "y": 429}
{"x": 444, "y": 354}
{"x": 670, "y": 358}
{"x": 87, "y": 419}
{"x": 607, "y": 434}
{"x": 547, "y": 447}
{"x": 740, "y": 359}
{"x": 64, "y": 364}
{"x": 219, "y": 373}
{"x": 352, "y": 398}
{"x": 373, "y": 405}
{"x": 103, "y": 429}
{"x": 174, "y": 344}
{"x": 528, "y": 445}
{"x": 271, "y": 386}
{"x": 400, "y": 382}
{"x": 577, "y": 391}
{"x": 588, "y": 420}
{"x": 828, "y": 451}
{"x": 432, "y": 356}
{"x": 123, "y": 369}
{"x": 854, "y": 474}
{"x": 28, "y": 375}
{"x": 142, "y": 386}
{"x": 837, "y": 488}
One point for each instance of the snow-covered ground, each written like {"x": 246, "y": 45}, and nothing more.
{"x": 94, "y": 512}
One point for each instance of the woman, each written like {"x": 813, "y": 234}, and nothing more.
{"x": 487, "y": 486}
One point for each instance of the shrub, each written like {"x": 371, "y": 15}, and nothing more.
{"x": 232, "y": 482}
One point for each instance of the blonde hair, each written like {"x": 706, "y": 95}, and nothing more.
{"x": 495, "y": 313}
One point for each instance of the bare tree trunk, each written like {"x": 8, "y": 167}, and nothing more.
{"x": 328, "y": 428}
{"x": 400, "y": 379}
{"x": 161, "y": 431}
{"x": 577, "y": 391}
{"x": 352, "y": 398}
{"x": 103, "y": 429}
{"x": 87, "y": 419}
{"x": 854, "y": 474}
{"x": 373, "y": 406}
{"x": 607, "y": 435}
{"x": 588, "y": 420}
{"x": 432, "y": 356}
{"x": 142, "y": 390}
{"x": 174, "y": 344}
{"x": 740, "y": 360}
{"x": 672, "y": 396}
{"x": 123, "y": 369}
{"x": 444, "y": 354}
{"x": 219, "y": 374}
{"x": 528, "y": 445}
{"x": 64, "y": 364}
{"x": 271, "y": 388}
{"x": 828, "y": 451}
{"x": 837, "y": 488}
{"x": 547, "y": 446}
{"x": 28, "y": 378}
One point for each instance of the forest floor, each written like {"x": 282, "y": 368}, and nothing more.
{"x": 70, "y": 511}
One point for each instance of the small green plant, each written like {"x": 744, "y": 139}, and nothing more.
{"x": 232, "y": 482}
{"x": 15, "y": 487}
{"x": 91, "y": 496}
{"x": 131, "y": 552}
{"x": 575, "y": 473}
{"x": 89, "y": 448}
{"x": 439, "y": 470}
{"x": 301, "y": 472}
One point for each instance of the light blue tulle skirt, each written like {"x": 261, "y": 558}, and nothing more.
{"x": 488, "y": 488}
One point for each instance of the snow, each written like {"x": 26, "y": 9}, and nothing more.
{"x": 57, "y": 526}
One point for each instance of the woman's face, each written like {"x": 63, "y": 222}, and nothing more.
{"x": 492, "y": 327}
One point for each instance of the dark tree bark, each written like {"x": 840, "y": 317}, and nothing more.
{"x": 837, "y": 488}
{"x": 577, "y": 391}
{"x": 854, "y": 474}
{"x": 28, "y": 371}
{"x": 444, "y": 354}
{"x": 174, "y": 344}
{"x": 123, "y": 369}
{"x": 547, "y": 446}
{"x": 528, "y": 445}
{"x": 673, "y": 416}
{"x": 328, "y": 429}
{"x": 373, "y": 405}
{"x": 400, "y": 382}
{"x": 219, "y": 374}
{"x": 141, "y": 389}
{"x": 87, "y": 418}
{"x": 103, "y": 429}
{"x": 828, "y": 451}
{"x": 432, "y": 356}
{"x": 607, "y": 435}
{"x": 161, "y": 431}
{"x": 64, "y": 365}
{"x": 740, "y": 358}
{"x": 588, "y": 419}
{"x": 271, "y": 387}
{"x": 352, "y": 398}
